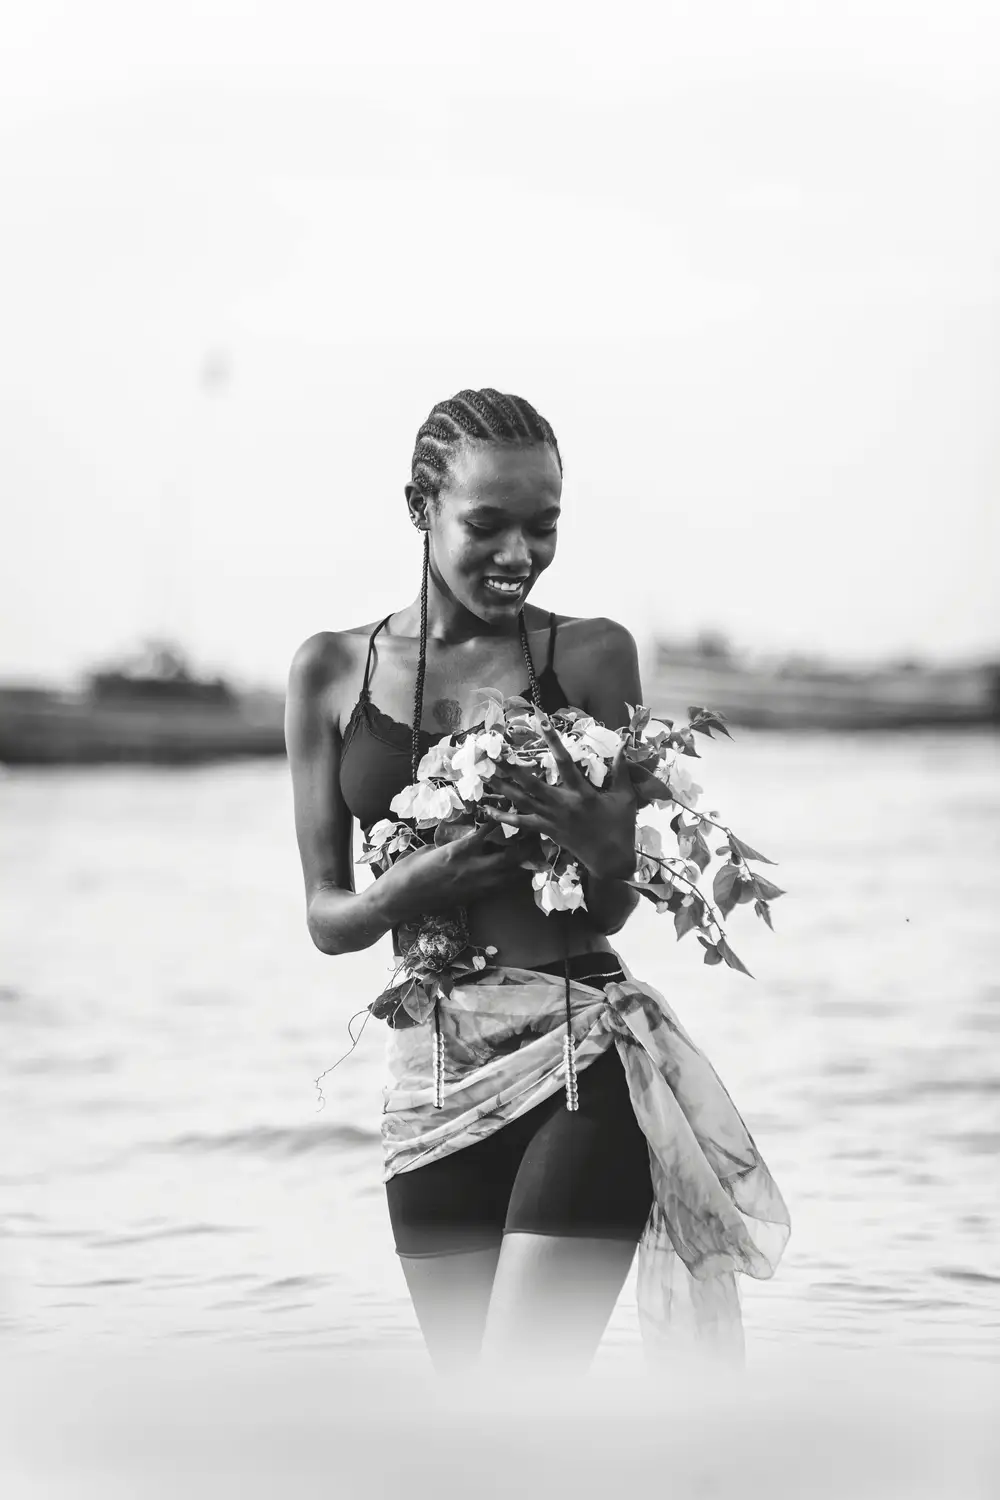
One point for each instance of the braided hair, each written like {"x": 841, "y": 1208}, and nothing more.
{"x": 485, "y": 416}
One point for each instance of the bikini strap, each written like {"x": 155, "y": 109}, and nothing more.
{"x": 552, "y": 641}
{"x": 368, "y": 663}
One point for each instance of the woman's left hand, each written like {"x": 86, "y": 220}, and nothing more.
{"x": 596, "y": 826}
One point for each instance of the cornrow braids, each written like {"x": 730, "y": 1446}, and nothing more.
{"x": 485, "y": 416}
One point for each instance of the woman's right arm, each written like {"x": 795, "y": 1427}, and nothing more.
{"x": 339, "y": 919}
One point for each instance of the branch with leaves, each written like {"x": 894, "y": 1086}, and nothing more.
{"x": 459, "y": 777}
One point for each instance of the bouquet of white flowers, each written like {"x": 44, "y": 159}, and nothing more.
{"x": 454, "y": 785}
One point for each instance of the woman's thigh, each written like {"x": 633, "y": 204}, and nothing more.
{"x": 578, "y": 1206}
{"x": 585, "y": 1173}
{"x": 451, "y": 1298}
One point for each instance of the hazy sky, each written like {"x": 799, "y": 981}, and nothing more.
{"x": 743, "y": 256}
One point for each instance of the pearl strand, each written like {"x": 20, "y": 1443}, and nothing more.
{"x": 438, "y": 1058}
{"x": 569, "y": 1064}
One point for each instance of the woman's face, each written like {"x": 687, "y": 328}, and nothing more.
{"x": 493, "y": 530}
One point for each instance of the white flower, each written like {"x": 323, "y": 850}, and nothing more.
{"x": 558, "y": 892}
{"x": 380, "y": 831}
{"x": 403, "y": 801}
{"x": 473, "y": 765}
{"x": 682, "y": 784}
{"x": 603, "y": 742}
{"x": 478, "y": 961}
{"x": 427, "y": 803}
{"x": 649, "y": 847}
{"x": 490, "y": 744}
{"x": 470, "y": 784}
{"x": 437, "y": 761}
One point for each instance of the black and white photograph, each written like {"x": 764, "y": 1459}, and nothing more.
{"x": 499, "y": 749}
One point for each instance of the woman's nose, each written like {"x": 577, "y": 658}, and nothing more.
{"x": 514, "y": 553}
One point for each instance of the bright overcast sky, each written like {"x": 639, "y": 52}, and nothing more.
{"x": 743, "y": 256}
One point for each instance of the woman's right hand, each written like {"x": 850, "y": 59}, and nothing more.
{"x": 440, "y": 877}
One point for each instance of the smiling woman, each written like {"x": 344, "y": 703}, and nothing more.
{"x": 516, "y": 1219}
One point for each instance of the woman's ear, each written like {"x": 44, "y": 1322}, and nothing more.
{"x": 416, "y": 504}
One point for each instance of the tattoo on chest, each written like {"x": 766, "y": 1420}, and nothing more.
{"x": 448, "y": 713}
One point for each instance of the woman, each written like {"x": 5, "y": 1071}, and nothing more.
{"x": 515, "y": 1237}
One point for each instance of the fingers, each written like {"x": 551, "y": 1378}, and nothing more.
{"x": 477, "y": 835}
{"x": 569, "y": 772}
{"x": 522, "y": 796}
{"x": 619, "y": 776}
{"x": 526, "y": 821}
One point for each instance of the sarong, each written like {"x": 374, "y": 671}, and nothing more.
{"x": 716, "y": 1208}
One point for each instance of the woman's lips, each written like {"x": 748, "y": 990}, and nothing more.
{"x": 505, "y": 588}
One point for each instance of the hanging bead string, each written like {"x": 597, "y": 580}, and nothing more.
{"x": 438, "y": 1058}
{"x": 569, "y": 1055}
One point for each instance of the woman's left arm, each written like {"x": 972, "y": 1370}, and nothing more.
{"x": 610, "y": 902}
{"x": 596, "y": 826}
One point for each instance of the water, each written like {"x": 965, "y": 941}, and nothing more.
{"x": 167, "y": 1174}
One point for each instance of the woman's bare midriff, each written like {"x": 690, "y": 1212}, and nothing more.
{"x": 523, "y": 935}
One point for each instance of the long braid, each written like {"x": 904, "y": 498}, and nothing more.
{"x": 418, "y": 695}
{"x": 526, "y": 652}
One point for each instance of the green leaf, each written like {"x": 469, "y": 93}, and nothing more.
{"x": 746, "y": 851}
{"x": 655, "y": 890}
{"x": 487, "y": 694}
{"x": 683, "y": 740}
{"x": 648, "y": 788}
{"x": 455, "y": 828}
{"x": 744, "y": 893}
{"x": 640, "y": 718}
{"x": 703, "y": 729}
{"x": 686, "y": 918}
{"x": 699, "y": 850}
{"x": 763, "y": 910}
{"x": 712, "y": 954}
{"x": 710, "y": 717}
{"x": 764, "y": 890}
{"x": 732, "y": 960}
{"x": 724, "y": 849}
{"x": 724, "y": 890}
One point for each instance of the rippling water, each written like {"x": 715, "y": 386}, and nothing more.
{"x": 167, "y": 1169}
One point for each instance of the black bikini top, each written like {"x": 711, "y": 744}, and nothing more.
{"x": 376, "y": 757}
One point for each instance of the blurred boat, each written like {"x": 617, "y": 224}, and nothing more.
{"x": 151, "y": 708}
{"x": 798, "y": 693}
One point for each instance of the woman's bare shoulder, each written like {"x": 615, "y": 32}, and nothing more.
{"x": 591, "y": 635}
{"x": 329, "y": 657}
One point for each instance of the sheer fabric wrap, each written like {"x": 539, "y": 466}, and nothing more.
{"x": 716, "y": 1211}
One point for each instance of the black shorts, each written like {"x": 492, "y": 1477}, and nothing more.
{"x": 549, "y": 1171}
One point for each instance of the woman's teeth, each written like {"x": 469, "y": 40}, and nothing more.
{"x": 505, "y": 585}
